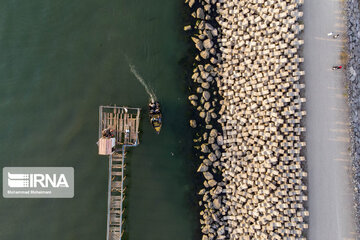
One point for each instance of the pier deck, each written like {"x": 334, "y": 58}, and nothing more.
{"x": 124, "y": 125}
{"x": 116, "y": 196}
{"x": 123, "y": 121}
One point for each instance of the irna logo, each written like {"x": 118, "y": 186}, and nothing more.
{"x": 16, "y": 180}
{"x": 38, "y": 182}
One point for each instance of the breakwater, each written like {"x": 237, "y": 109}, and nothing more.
{"x": 250, "y": 106}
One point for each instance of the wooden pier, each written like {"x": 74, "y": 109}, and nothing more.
{"x": 118, "y": 129}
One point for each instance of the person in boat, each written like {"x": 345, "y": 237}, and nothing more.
{"x": 151, "y": 105}
{"x": 157, "y": 107}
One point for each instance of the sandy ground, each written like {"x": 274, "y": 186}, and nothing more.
{"x": 327, "y": 136}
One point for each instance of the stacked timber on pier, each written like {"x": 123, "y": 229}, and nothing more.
{"x": 255, "y": 62}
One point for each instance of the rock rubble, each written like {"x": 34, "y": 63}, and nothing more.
{"x": 249, "y": 100}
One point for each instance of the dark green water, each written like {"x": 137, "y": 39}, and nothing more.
{"x": 60, "y": 60}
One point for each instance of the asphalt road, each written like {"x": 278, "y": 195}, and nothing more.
{"x": 330, "y": 193}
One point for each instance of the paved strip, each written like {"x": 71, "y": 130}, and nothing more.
{"x": 327, "y": 136}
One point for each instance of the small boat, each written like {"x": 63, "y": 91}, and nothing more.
{"x": 155, "y": 115}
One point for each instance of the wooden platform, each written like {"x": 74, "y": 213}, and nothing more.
{"x": 123, "y": 121}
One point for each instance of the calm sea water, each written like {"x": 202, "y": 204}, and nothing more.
{"x": 60, "y": 60}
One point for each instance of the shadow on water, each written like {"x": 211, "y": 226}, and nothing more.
{"x": 189, "y": 63}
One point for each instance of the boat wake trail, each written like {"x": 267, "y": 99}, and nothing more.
{"x": 149, "y": 91}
